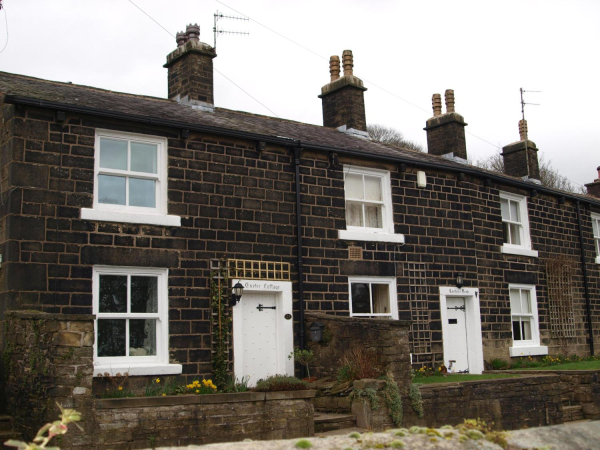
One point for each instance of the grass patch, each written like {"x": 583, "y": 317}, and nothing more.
{"x": 579, "y": 365}
{"x": 458, "y": 377}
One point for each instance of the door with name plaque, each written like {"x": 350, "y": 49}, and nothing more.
{"x": 455, "y": 346}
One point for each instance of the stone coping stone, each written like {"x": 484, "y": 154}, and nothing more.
{"x": 29, "y": 314}
{"x": 538, "y": 372}
{"x": 523, "y": 379}
{"x": 173, "y": 400}
{"x": 355, "y": 320}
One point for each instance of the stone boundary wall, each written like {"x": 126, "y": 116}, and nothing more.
{"x": 48, "y": 360}
{"x": 387, "y": 339}
{"x": 186, "y": 420}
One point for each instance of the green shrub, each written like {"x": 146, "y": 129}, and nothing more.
{"x": 281, "y": 383}
{"x": 499, "y": 364}
{"x": 346, "y": 373}
{"x": 303, "y": 443}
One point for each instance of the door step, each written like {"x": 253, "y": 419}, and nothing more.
{"x": 330, "y": 422}
{"x": 572, "y": 413}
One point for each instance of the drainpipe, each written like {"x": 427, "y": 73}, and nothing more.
{"x": 297, "y": 150}
{"x": 585, "y": 281}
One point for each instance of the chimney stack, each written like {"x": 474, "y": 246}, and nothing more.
{"x": 593, "y": 189}
{"x": 446, "y": 132}
{"x": 191, "y": 70}
{"x": 343, "y": 98}
{"x": 520, "y": 158}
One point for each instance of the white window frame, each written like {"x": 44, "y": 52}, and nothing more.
{"x": 132, "y": 214}
{"x": 596, "y": 231}
{"x": 392, "y": 290}
{"x": 525, "y": 248}
{"x": 136, "y": 365}
{"x": 386, "y": 233}
{"x": 527, "y": 347}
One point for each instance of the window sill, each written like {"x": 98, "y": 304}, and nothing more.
{"x": 597, "y": 259}
{"x": 127, "y": 217}
{"x": 140, "y": 369}
{"x": 522, "y": 251}
{"x": 530, "y": 350}
{"x": 370, "y": 237}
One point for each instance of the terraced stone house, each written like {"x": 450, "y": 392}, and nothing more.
{"x": 126, "y": 206}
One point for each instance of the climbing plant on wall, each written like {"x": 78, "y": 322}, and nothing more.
{"x": 220, "y": 323}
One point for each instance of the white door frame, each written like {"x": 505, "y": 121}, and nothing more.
{"x": 473, "y": 323}
{"x": 285, "y": 327}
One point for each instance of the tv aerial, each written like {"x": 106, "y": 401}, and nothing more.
{"x": 216, "y": 30}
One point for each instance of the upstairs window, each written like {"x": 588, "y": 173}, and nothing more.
{"x": 373, "y": 297}
{"x": 525, "y": 323}
{"x": 515, "y": 225}
{"x": 130, "y": 179}
{"x": 596, "y": 228}
{"x": 369, "y": 212}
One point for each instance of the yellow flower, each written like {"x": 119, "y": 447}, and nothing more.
{"x": 157, "y": 380}
{"x": 197, "y": 391}
{"x": 120, "y": 388}
{"x": 164, "y": 395}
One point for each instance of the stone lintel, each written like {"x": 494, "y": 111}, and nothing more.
{"x": 519, "y": 146}
{"x": 189, "y": 47}
{"x": 340, "y": 83}
{"x": 438, "y": 121}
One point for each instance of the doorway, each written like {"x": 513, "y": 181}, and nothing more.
{"x": 461, "y": 329}
{"x": 263, "y": 330}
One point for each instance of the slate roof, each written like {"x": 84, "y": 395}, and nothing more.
{"x": 170, "y": 110}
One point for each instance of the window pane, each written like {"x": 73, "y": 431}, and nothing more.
{"x": 354, "y": 214}
{"x": 515, "y": 301}
{"x": 113, "y": 294}
{"x": 144, "y": 294}
{"x": 111, "y": 190}
{"x": 142, "y": 193}
{"x": 361, "y": 303}
{"x": 143, "y": 157}
{"x": 373, "y": 216}
{"x": 113, "y": 154}
{"x": 504, "y": 209}
{"x": 373, "y": 188}
{"x": 381, "y": 298}
{"x": 354, "y": 186}
{"x": 595, "y": 227}
{"x": 142, "y": 337}
{"x": 111, "y": 337}
{"x": 506, "y": 232}
{"x": 526, "y": 302}
{"x": 515, "y": 214}
{"x": 515, "y": 234}
{"x": 516, "y": 330}
{"x": 526, "y": 329}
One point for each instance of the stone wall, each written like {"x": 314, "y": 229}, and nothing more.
{"x": 48, "y": 360}
{"x": 386, "y": 340}
{"x": 186, "y": 420}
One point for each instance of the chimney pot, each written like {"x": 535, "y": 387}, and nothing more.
{"x": 181, "y": 38}
{"x": 193, "y": 32}
{"x": 523, "y": 129}
{"x": 449, "y": 97}
{"x": 348, "y": 60}
{"x": 436, "y": 100}
{"x": 334, "y": 67}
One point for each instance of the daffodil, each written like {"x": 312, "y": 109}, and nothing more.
{"x": 120, "y": 388}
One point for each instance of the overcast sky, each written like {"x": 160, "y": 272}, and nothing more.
{"x": 404, "y": 51}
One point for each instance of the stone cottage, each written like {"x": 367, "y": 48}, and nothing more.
{"x": 125, "y": 207}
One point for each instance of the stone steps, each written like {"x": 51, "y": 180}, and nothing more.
{"x": 330, "y": 422}
{"x": 572, "y": 413}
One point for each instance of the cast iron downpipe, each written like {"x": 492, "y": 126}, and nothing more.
{"x": 297, "y": 150}
{"x": 585, "y": 281}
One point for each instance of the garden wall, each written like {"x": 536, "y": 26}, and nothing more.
{"x": 186, "y": 420}
{"x": 386, "y": 339}
{"x": 48, "y": 359}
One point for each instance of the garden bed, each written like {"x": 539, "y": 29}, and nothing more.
{"x": 461, "y": 377}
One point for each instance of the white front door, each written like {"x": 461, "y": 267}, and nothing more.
{"x": 455, "y": 347}
{"x": 259, "y": 331}
{"x": 263, "y": 330}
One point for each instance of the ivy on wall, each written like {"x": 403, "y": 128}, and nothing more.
{"x": 220, "y": 324}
